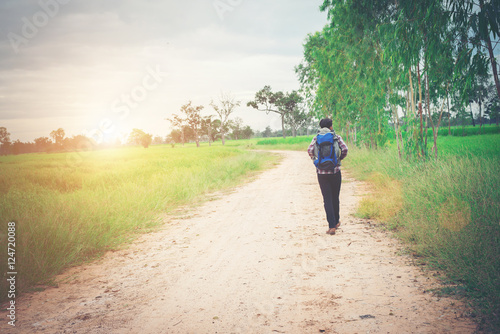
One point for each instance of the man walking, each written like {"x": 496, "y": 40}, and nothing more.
{"x": 329, "y": 176}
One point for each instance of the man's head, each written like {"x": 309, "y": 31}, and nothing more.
{"x": 325, "y": 123}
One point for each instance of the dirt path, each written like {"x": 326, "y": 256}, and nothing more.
{"x": 256, "y": 260}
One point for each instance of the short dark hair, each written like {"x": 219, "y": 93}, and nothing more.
{"x": 325, "y": 123}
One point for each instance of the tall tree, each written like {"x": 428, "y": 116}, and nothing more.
{"x": 378, "y": 55}
{"x": 481, "y": 22}
{"x": 193, "y": 119}
{"x": 4, "y": 140}
{"x": 236, "y": 126}
{"x": 287, "y": 105}
{"x": 268, "y": 101}
{"x": 139, "y": 137}
{"x": 295, "y": 116}
{"x": 224, "y": 108}
{"x": 58, "y": 137}
{"x": 208, "y": 128}
{"x": 42, "y": 144}
{"x": 179, "y": 123}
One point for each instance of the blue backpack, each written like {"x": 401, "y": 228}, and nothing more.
{"x": 328, "y": 149}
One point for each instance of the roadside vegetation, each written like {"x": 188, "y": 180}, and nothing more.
{"x": 445, "y": 210}
{"x": 394, "y": 77}
{"x": 69, "y": 213}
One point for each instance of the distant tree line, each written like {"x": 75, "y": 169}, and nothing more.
{"x": 56, "y": 142}
{"x": 189, "y": 125}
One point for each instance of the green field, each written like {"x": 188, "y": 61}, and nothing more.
{"x": 67, "y": 213}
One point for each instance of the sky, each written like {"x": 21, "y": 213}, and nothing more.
{"x": 103, "y": 67}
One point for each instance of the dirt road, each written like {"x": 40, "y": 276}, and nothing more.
{"x": 256, "y": 260}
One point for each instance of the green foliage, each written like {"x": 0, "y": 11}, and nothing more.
{"x": 376, "y": 56}
{"x": 286, "y": 104}
{"x": 226, "y": 106}
{"x": 139, "y": 137}
{"x": 58, "y": 136}
{"x": 67, "y": 214}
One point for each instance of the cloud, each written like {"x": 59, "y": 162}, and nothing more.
{"x": 89, "y": 53}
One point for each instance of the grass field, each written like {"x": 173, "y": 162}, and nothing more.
{"x": 446, "y": 210}
{"x": 68, "y": 213}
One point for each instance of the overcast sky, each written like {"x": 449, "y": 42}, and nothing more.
{"x": 115, "y": 65}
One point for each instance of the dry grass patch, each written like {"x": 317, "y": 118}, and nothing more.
{"x": 384, "y": 200}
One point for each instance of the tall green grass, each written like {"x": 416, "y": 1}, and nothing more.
{"x": 450, "y": 210}
{"x": 460, "y": 131}
{"x": 469, "y": 130}
{"x": 66, "y": 214}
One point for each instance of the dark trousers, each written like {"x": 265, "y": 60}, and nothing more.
{"x": 330, "y": 188}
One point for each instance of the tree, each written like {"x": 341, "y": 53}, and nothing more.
{"x": 42, "y": 144}
{"x": 267, "y": 132}
{"x": 208, "y": 128}
{"x": 492, "y": 104}
{"x": 179, "y": 123}
{"x": 295, "y": 116}
{"x": 4, "y": 140}
{"x": 193, "y": 119}
{"x": 157, "y": 140}
{"x": 246, "y": 132}
{"x": 224, "y": 109}
{"x": 58, "y": 137}
{"x": 266, "y": 100}
{"x": 235, "y": 127}
{"x": 480, "y": 23}
{"x": 17, "y": 147}
{"x": 78, "y": 143}
{"x": 377, "y": 57}
{"x": 139, "y": 137}
{"x": 189, "y": 125}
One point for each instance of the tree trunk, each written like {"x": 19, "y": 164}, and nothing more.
{"x": 492, "y": 58}
{"x": 413, "y": 111}
{"x": 223, "y": 138}
{"x": 435, "y": 130}
{"x": 427, "y": 107}
{"x": 420, "y": 112}
{"x": 480, "y": 115}
{"x": 471, "y": 114}
{"x": 429, "y": 117}
{"x": 396, "y": 128}
{"x": 347, "y": 131}
{"x": 449, "y": 114}
{"x": 283, "y": 125}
